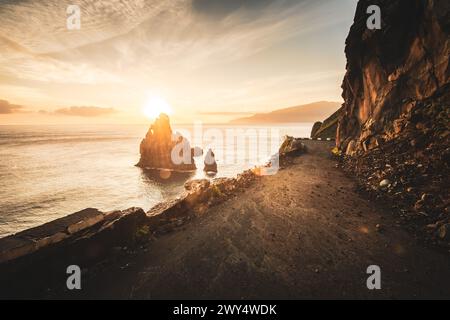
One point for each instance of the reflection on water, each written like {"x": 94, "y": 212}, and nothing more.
{"x": 49, "y": 172}
{"x": 171, "y": 183}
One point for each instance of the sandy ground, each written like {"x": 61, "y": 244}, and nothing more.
{"x": 303, "y": 233}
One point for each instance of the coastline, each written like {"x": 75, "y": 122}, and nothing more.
{"x": 280, "y": 236}
{"x": 90, "y": 236}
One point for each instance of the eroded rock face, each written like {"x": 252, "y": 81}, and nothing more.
{"x": 390, "y": 70}
{"x": 395, "y": 130}
{"x": 161, "y": 149}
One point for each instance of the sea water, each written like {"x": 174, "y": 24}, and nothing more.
{"x": 47, "y": 172}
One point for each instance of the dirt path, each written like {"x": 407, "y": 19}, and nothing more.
{"x": 303, "y": 233}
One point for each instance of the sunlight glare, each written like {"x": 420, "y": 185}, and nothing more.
{"x": 155, "y": 106}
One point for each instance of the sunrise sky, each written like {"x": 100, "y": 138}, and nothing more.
{"x": 210, "y": 60}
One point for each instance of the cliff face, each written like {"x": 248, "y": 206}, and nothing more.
{"x": 395, "y": 128}
{"x": 390, "y": 70}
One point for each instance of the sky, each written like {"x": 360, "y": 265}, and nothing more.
{"x": 206, "y": 60}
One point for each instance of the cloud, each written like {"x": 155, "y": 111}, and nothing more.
{"x": 203, "y": 53}
{"x": 143, "y": 37}
{"x": 224, "y": 8}
{"x": 85, "y": 111}
{"x": 101, "y": 19}
{"x": 7, "y": 108}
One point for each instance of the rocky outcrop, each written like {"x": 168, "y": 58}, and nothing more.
{"x": 75, "y": 229}
{"x": 291, "y": 147}
{"x": 161, "y": 149}
{"x": 315, "y": 128}
{"x": 394, "y": 129}
{"x": 328, "y": 128}
{"x": 83, "y": 238}
{"x": 389, "y": 71}
{"x": 199, "y": 196}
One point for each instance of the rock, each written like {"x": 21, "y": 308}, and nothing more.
{"x": 427, "y": 198}
{"x": 84, "y": 234}
{"x": 328, "y": 128}
{"x": 398, "y": 125}
{"x": 419, "y": 205}
{"x": 291, "y": 146}
{"x": 376, "y": 88}
{"x": 198, "y": 192}
{"x": 161, "y": 149}
{"x": 315, "y": 128}
{"x": 12, "y": 247}
{"x": 444, "y": 232}
{"x": 246, "y": 178}
{"x": 396, "y": 108}
{"x": 385, "y": 183}
{"x": 225, "y": 185}
{"x": 351, "y": 147}
{"x": 196, "y": 185}
{"x": 210, "y": 164}
{"x": 124, "y": 228}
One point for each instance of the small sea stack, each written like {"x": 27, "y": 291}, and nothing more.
{"x": 210, "y": 162}
{"x": 163, "y": 150}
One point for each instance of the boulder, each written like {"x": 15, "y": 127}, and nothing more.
{"x": 291, "y": 146}
{"x": 444, "y": 232}
{"x": 385, "y": 183}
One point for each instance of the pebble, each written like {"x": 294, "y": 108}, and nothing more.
{"x": 385, "y": 183}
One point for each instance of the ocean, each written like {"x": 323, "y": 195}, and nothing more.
{"x": 47, "y": 172}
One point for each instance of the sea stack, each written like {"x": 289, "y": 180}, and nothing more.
{"x": 210, "y": 162}
{"x": 161, "y": 149}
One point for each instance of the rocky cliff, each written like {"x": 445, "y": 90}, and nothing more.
{"x": 394, "y": 129}
{"x": 390, "y": 71}
{"x": 161, "y": 149}
{"x": 327, "y": 128}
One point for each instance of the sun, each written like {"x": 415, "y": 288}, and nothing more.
{"x": 155, "y": 106}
